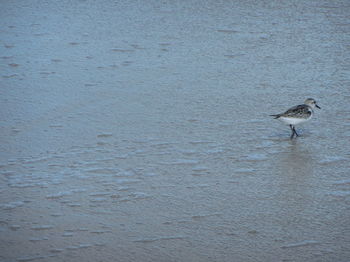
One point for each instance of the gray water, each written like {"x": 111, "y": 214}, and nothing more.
{"x": 140, "y": 131}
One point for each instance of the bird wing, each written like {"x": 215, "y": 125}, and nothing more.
{"x": 298, "y": 111}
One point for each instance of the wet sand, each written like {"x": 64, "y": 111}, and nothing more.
{"x": 140, "y": 131}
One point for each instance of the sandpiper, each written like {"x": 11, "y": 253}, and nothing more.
{"x": 298, "y": 114}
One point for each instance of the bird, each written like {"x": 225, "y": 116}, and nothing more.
{"x": 298, "y": 114}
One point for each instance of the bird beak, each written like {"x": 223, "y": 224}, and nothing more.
{"x": 318, "y": 107}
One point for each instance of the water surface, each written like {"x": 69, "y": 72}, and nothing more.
{"x": 140, "y": 131}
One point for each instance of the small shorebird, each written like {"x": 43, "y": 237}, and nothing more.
{"x": 298, "y": 114}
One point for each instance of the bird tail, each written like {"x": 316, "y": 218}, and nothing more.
{"x": 276, "y": 116}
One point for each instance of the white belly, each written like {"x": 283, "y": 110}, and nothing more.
{"x": 293, "y": 121}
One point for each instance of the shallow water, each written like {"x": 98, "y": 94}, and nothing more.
{"x": 140, "y": 131}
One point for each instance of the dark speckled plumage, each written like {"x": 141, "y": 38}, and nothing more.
{"x": 299, "y": 111}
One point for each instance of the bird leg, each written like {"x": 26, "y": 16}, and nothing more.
{"x": 293, "y": 131}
